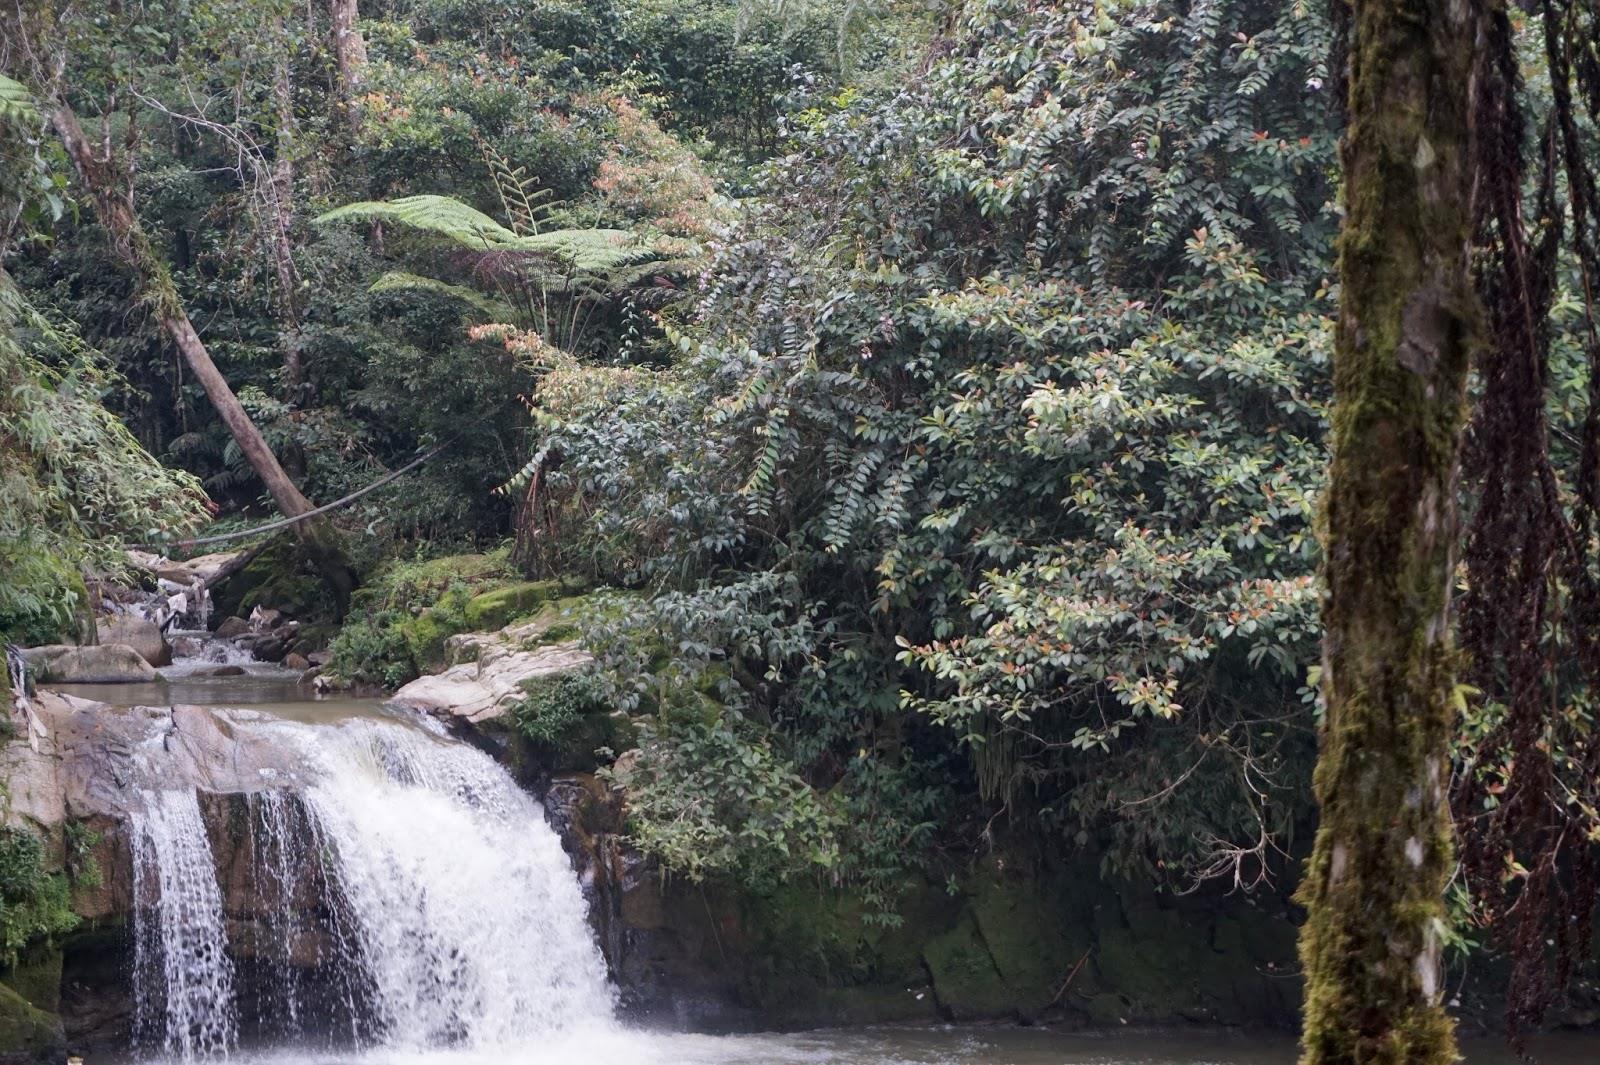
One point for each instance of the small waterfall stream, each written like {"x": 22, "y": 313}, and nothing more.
{"x": 181, "y": 966}
{"x": 410, "y": 872}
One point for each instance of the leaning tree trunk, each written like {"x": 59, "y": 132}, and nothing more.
{"x": 1374, "y": 887}
{"x": 281, "y": 207}
{"x": 116, "y": 214}
{"x": 350, "y": 50}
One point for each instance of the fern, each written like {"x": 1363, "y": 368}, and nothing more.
{"x": 16, "y": 102}
{"x": 443, "y": 215}
{"x": 400, "y": 281}
{"x": 519, "y": 192}
{"x": 586, "y": 250}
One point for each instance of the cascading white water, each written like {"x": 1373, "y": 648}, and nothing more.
{"x": 468, "y": 919}
{"x": 448, "y": 913}
{"x": 180, "y": 957}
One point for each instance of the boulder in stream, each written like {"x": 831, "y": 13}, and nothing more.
{"x": 138, "y": 633}
{"x": 231, "y": 627}
{"x": 108, "y": 663}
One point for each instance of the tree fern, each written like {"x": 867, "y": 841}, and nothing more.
{"x": 400, "y": 281}
{"x": 589, "y": 250}
{"x": 525, "y": 203}
{"x": 442, "y": 215}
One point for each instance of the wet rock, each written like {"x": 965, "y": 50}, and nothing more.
{"x": 113, "y": 663}
{"x": 138, "y": 633}
{"x": 262, "y": 618}
{"x": 96, "y": 759}
{"x": 220, "y": 671}
{"x": 271, "y": 645}
{"x": 188, "y": 646}
{"x": 231, "y": 627}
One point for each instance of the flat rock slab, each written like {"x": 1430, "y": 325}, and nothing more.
{"x": 489, "y": 686}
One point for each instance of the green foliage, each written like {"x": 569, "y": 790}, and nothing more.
{"x": 34, "y": 904}
{"x": 399, "y": 281}
{"x": 711, "y": 798}
{"x": 73, "y": 481}
{"x": 16, "y": 102}
{"x": 1009, "y": 400}
{"x": 553, "y": 710}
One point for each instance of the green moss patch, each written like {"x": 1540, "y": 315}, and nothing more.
{"x": 965, "y": 978}
{"x": 26, "y": 1032}
{"x": 279, "y": 577}
{"x": 497, "y": 608}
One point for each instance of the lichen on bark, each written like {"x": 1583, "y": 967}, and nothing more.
{"x": 1407, "y": 320}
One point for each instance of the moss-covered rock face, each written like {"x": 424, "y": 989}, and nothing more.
{"x": 279, "y": 577}
{"x": 26, "y": 1033}
{"x": 1037, "y": 928}
{"x": 1022, "y": 942}
{"x": 37, "y": 978}
{"x": 965, "y": 978}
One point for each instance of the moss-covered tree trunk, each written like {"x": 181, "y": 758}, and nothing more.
{"x": 1374, "y": 888}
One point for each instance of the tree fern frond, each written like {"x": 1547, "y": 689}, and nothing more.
{"x": 399, "y": 280}
{"x": 444, "y": 215}
{"x": 16, "y": 102}
{"x": 519, "y": 192}
{"x": 588, "y": 250}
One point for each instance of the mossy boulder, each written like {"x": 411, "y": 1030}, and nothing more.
{"x": 27, "y": 1033}
{"x": 425, "y": 634}
{"x": 499, "y": 607}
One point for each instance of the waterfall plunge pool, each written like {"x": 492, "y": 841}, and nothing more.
{"x": 454, "y": 930}
{"x": 952, "y": 1045}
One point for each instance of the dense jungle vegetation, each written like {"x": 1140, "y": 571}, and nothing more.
{"x": 934, "y": 397}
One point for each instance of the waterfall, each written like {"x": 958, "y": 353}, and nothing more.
{"x": 408, "y": 872}
{"x": 181, "y": 963}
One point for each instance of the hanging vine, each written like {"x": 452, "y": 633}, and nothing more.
{"x": 1528, "y": 790}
